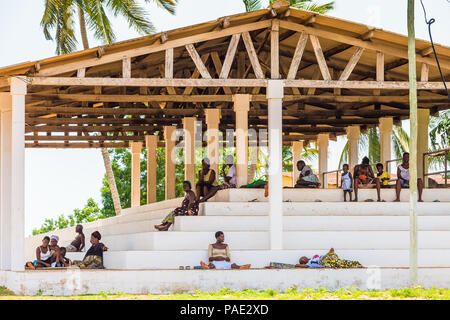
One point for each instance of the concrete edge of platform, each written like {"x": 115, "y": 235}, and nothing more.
{"x": 75, "y": 281}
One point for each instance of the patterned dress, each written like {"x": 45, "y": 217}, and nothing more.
{"x": 332, "y": 260}
{"x": 181, "y": 211}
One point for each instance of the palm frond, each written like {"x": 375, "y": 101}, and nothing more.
{"x": 344, "y": 156}
{"x": 400, "y": 140}
{"x": 135, "y": 15}
{"x": 168, "y": 5}
{"x": 252, "y": 5}
{"x": 98, "y": 21}
{"x": 310, "y": 6}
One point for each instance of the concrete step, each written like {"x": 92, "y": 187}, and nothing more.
{"x": 311, "y": 223}
{"x": 326, "y": 195}
{"x": 324, "y": 208}
{"x": 292, "y": 240}
{"x": 261, "y": 258}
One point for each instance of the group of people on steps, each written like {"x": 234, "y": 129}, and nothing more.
{"x": 49, "y": 254}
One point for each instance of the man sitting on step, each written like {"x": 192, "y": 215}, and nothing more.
{"x": 365, "y": 178}
{"x": 403, "y": 179}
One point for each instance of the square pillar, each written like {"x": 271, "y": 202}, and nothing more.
{"x": 189, "y": 148}
{"x": 423, "y": 119}
{"x": 385, "y": 127}
{"x": 275, "y": 93}
{"x": 151, "y": 143}
{"x": 241, "y": 108}
{"x": 297, "y": 150}
{"x": 5, "y": 180}
{"x": 136, "y": 148}
{"x": 212, "y": 122}
{"x": 170, "y": 138}
{"x": 322, "y": 141}
{"x": 18, "y": 92}
{"x": 353, "y": 133}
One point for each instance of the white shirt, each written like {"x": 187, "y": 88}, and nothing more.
{"x": 232, "y": 173}
{"x": 304, "y": 170}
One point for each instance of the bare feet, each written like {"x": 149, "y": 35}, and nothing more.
{"x": 204, "y": 265}
{"x": 397, "y": 200}
{"x": 420, "y": 200}
{"x": 245, "y": 266}
{"x": 159, "y": 227}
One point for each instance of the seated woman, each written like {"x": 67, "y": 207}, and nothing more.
{"x": 206, "y": 180}
{"x": 219, "y": 255}
{"x": 189, "y": 206}
{"x": 230, "y": 178}
{"x": 403, "y": 179}
{"x": 307, "y": 178}
{"x": 329, "y": 260}
{"x": 94, "y": 256}
{"x": 365, "y": 178}
{"x": 43, "y": 256}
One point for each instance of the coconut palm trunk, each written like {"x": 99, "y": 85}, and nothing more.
{"x": 105, "y": 154}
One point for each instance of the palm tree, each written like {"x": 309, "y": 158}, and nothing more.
{"x": 370, "y": 143}
{"x": 59, "y": 17}
{"x": 252, "y": 5}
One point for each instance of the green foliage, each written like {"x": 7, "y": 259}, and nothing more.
{"x": 58, "y": 22}
{"x": 440, "y": 131}
{"x": 252, "y": 5}
{"x": 89, "y": 213}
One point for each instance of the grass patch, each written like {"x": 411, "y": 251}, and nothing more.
{"x": 249, "y": 294}
{"x": 5, "y": 292}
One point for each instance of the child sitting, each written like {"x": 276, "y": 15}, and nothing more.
{"x": 383, "y": 176}
{"x": 347, "y": 182}
{"x": 62, "y": 260}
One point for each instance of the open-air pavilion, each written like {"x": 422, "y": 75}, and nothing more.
{"x": 297, "y": 75}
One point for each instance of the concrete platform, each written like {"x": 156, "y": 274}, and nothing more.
{"x": 326, "y": 195}
{"x": 75, "y": 281}
{"x": 260, "y": 258}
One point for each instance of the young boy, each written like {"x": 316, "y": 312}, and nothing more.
{"x": 383, "y": 176}
{"x": 62, "y": 260}
{"x": 347, "y": 182}
{"x": 79, "y": 242}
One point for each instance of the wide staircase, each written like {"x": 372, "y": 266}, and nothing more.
{"x": 375, "y": 233}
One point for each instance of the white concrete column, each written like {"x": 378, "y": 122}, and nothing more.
{"x": 212, "y": 123}
{"x": 189, "y": 148}
{"x": 322, "y": 141}
{"x": 241, "y": 108}
{"x": 5, "y": 180}
{"x": 170, "y": 138}
{"x": 423, "y": 119}
{"x": 297, "y": 150}
{"x": 136, "y": 148}
{"x": 18, "y": 92}
{"x": 353, "y": 133}
{"x": 385, "y": 127}
{"x": 151, "y": 143}
{"x": 275, "y": 93}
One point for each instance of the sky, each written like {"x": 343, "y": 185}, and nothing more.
{"x": 57, "y": 181}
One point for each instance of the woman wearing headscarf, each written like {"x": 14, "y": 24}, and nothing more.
{"x": 189, "y": 206}
{"x": 206, "y": 180}
{"x": 230, "y": 178}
